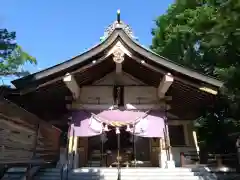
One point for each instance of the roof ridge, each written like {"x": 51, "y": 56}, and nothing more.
{"x": 133, "y": 44}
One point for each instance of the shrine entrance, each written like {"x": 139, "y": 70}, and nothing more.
{"x": 110, "y": 143}
{"x": 118, "y": 147}
{"x": 111, "y": 140}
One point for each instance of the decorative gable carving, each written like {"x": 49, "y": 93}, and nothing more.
{"x": 118, "y": 54}
{"x": 118, "y": 51}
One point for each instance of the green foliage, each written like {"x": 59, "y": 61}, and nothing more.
{"x": 12, "y": 57}
{"x": 204, "y": 35}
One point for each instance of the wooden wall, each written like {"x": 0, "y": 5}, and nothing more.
{"x": 23, "y": 136}
{"x": 134, "y": 91}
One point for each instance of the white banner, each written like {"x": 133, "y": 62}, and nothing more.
{"x": 95, "y": 125}
{"x": 141, "y": 126}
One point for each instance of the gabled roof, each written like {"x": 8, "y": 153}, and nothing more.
{"x": 118, "y": 33}
{"x": 190, "y": 90}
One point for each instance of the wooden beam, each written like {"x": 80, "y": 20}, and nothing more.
{"x": 118, "y": 68}
{"x": 208, "y": 90}
{"x": 82, "y": 69}
{"x": 184, "y": 81}
{"x": 164, "y": 85}
{"x": 118, "y": 73}
{"x": 79, "y": 106}
{"x": 72, "y": 85}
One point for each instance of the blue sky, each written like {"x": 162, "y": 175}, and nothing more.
{"x": 56, "y": 30}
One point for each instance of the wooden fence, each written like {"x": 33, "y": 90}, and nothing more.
{"x": 25, "y": 137}
{"x": 217, "y": 160}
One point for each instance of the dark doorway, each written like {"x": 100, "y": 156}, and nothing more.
{"x": 111, "y": 143}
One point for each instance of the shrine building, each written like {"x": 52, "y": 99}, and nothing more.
{"x": 119, "y": 102}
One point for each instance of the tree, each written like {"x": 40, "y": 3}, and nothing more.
{"x": 204, "y": 35}
{"x": 12, "y": 57}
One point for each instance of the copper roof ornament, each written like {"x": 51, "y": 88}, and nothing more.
{"x": 118, "y": 16}
{"x": 118, "y": 24}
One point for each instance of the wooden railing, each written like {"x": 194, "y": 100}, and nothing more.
{"x": 217, "y": 160}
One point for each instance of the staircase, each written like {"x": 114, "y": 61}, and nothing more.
{"x": 132, "y": 174}
{"x": 95, "y": 159}
{"x": 14, "y": 173}
{"x": 48, "y": 174}
{"x": 94, "y": 164}
{"x": 135, "y": 174}
{"x": 227, "y": 176}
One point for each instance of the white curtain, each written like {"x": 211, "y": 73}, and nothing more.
{"x": 141, "y": 126}
{"x": 95, "y": 125}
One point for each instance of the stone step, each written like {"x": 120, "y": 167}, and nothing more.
{"x": 125, "y": 178}
{"x": 140, "y": 178}
{"x": 228, "y": 176}
{"x": 12, "y": 176}
{"x": 139, "y": 174}
{"x": 50, "y": 170}
{"x": 94, "y": 164}
{"x": 17, "y": 169}
{"x": 48, "y": 173}
{"x": 167, "y": 177}
{"x": 134, "y": 174}
{"x": 48, "y": 178}
{"x": 135, "y": 170}
{"x": 14, "y": 173}
{"x": 126, "y": 174}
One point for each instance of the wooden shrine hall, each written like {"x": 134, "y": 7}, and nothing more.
{"x": 118, "y": 103}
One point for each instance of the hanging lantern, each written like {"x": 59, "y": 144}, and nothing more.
{"x": 105, "y": 128}
{"x": 117, "y": 130}
{"x": 128, "y": 128}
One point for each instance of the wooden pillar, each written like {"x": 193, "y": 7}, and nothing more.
{"x": 182, "y": 159}
{"x": 2, "y": 151}
{"x": 70, "y": 151}
{"x": 185, "y": 130}
{"x": 86, "y": 150}
{"x": 75, "y": 152}
{"x": 160, "y": 152}
{"x": 154, "y": 151}
{"x": 168, "y": 144}
{"x": 83, "y": 151}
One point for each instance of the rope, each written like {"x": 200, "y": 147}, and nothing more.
{"x": 115, "y": 123}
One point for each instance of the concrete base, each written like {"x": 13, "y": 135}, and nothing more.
{"x": 170, "y": 164}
